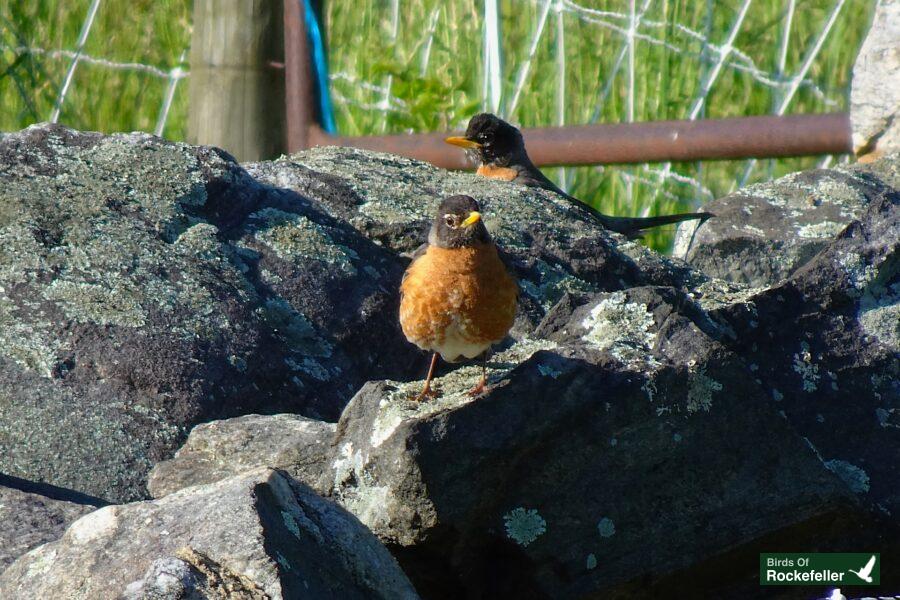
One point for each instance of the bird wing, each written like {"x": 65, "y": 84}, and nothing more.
{"x": 867, "y": 570}
{"x": 420, "y": 251}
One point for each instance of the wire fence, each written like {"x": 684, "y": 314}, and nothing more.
{"x": 170, "y": 78}
{"x": 508, "y": 78}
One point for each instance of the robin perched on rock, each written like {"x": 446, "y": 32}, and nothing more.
{"x": 457, "y": 298}
{"x": 500, "y": 150}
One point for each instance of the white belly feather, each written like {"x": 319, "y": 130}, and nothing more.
{"x": 456, "y": 344}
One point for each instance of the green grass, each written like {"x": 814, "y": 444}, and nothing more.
{"x": 448, "y": 90}
{"x": 153, "y": 32}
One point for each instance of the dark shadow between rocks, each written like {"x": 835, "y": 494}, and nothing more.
{"x": 50, "y": 491}
{"x": 734, "y": 574}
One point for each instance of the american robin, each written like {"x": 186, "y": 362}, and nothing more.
{"x": 457, "y": 298}
{"x": 500, "y": 150}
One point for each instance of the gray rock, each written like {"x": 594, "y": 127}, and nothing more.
{"x": 174, "y": 578}
{"x": 221, "y": 449}
{"x": 875, "y": 89}
{"x": 553, "y": 247}
{"x": 592, "y": 467}
{"x": 765, "y": 232}
{"x": 258, "y": 535}
{"x": 826, "y": 345}
{"x": 191, "y": 575}
{"x": 637, "y": 437}
{"x": 28, "y": 520}
{"x": 649, "y": 428}
{"x": 147, "y": 286}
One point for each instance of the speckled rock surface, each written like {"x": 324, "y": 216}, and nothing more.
{"x": 147, "y": 286}
{"x": 220, "y": 449}
{"x": 650, "y": 427}
{"x": 765, "y": 232}
{"x": 647, "y": 441}
{"x": 622, "y": 454}
{"x": 260, "y": 535}
{"x": 826, "y": 345}
{"x": 28, "y": 520}
{"x": 553, "y": 247}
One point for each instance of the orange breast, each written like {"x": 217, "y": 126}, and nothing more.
{"x": 493, "y": 172}
{"x": 467, "y": 291}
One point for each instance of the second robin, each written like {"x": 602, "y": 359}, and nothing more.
{"x": 457, "y": 298}
{"x": 500, "y": 150}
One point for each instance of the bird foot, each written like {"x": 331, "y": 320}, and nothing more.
{"x": 426, "y": 392}
{"x": 479, "y": 389}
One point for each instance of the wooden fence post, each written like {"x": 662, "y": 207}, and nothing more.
{"x": 236, "y": 84}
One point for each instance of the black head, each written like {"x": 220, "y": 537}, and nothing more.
{"x": 458, "y": 224}
{"x": 494, "y": 141}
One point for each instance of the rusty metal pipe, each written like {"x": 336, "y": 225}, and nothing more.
{"x": 298, "y": 78}
{"x": 709, "y": 139}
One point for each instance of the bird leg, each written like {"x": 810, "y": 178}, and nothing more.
{"x": 427, "y": 392}
{"x": 482, "y": 384}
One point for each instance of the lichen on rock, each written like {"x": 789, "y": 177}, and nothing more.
{"x": 701, "y": 390}
{"x": 294, "y": 236}
{"x": 855, "y": 478}
{"x": 765, "y": 232}
{"x": 621, "y": 327}
{"x": 524, "y": 526}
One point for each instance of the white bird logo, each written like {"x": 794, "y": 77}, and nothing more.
{"x": 866, "y": 572}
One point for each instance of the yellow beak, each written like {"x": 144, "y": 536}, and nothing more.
{"x": 462, "y": 142}
{"x": 473, "y": 218}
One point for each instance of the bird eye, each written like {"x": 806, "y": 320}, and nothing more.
{"x": 450, "y": 220}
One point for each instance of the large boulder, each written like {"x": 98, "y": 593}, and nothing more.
{"x": 633, "y": 445}
{"x": 825, "y": 344}
{"x": 147, "y": 286}
{"x": 643, "y": 441}
{"x": 765, "y": 232}
{"x": 260, "y": 536}
{"x": 652, "y": 440}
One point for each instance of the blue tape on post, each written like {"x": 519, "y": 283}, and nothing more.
{"x": 320, "y": 65}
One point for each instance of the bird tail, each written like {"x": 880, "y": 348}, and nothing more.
{"x": 634, "y": 226}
